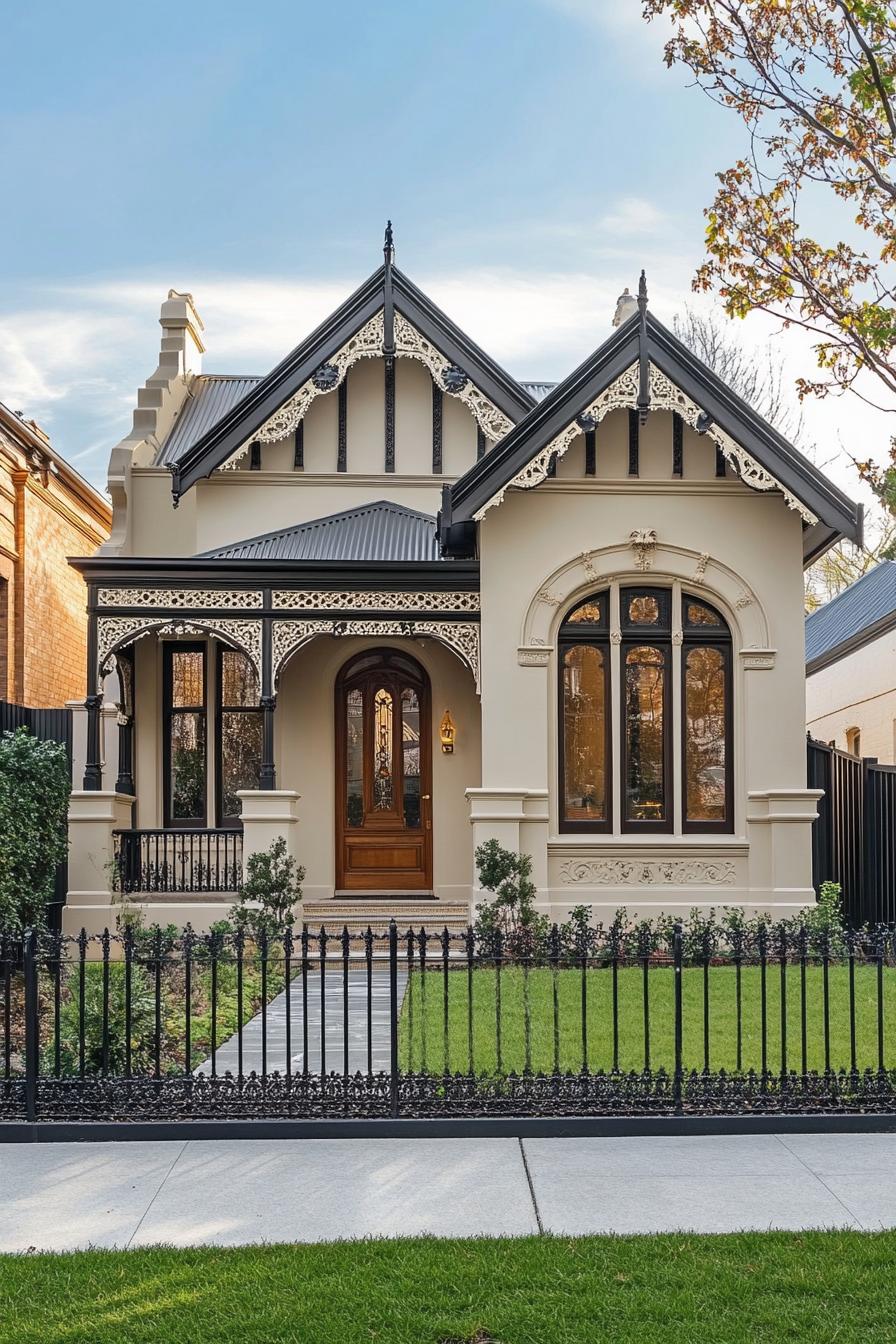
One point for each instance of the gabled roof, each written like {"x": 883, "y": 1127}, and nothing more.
{"x": 643, "y": 339}
{"x": 383, "y": 531}
{"x": 862, "y": 612}
{"x": 387, "y": 285}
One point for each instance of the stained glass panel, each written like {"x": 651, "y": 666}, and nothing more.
{"x": 354, "y": 748}
{"x": 644, "y": 609}
{"x": 592, "y": 612}
{"x": 645, "y": 682}
{"x": 186, "y": 786}
{"x": 187, "y": 678}
{"x": 410, "y": 747}
{"x": 584, "y": 734}
{"x": 383, "y": 783}
{"x": 697, "y": 614}
{"x": 241, "y": 745}
{"x": 239, "y": 680}
{"x": 705, "y": 735}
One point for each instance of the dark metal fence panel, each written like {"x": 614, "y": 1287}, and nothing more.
{"x": 171, "y": 861}
{"x": 854, "y": 837}
{"x": 49, "y": 725}
{"x": 161, "y": 1025}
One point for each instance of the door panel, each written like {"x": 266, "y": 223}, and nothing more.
{"x": 383, "y": 775}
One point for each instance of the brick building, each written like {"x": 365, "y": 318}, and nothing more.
{"x": 47, "y": 513}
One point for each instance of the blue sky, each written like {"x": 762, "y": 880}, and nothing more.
{"x": 533, "y": 154}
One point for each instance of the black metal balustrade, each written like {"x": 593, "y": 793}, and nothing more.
{"x": 620, "y": 1022}
{"x": 179, "y": 861}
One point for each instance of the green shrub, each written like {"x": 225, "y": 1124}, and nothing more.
{"x": 272, "y": 887}
{"x": 34, "y": 791}
{"x": 142, "y": 1021}
{"x": 511, "y": 916}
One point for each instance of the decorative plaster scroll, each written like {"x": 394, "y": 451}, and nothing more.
{"x": 643, "y": 543}
{"x": 412, "y": 345}
{"x": 365, "y": 344}
{"x": 665, "y": 396}
{"x": 112, "y": 632}
{"x": 193, "y": 599}
{"x": 648, "y": 872}
{"x": 699, "y": 574}
{"x": 321, "y": 600}
{"x": 621, "y": 393}
{"x": 462, "y": 637}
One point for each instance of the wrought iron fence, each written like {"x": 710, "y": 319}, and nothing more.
{"x": 179, "y": 861}
{"x": 152, "y": 1026}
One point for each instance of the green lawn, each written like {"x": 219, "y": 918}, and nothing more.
{"x": 422, "y": 1030}
{"x": 751, "y": 1288}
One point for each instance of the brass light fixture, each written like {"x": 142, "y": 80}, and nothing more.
{"x": 447, "y": 733}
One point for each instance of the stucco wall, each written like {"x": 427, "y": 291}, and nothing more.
{"x": 858, "y": 691}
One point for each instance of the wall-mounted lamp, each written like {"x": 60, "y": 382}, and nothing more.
{"x": 447, "y": 733}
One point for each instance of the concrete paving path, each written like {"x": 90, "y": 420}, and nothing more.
{"x": 227, "y": 1053}
{"x": 66, "y": 1196}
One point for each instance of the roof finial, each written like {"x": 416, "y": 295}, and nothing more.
{"x": 642, "y": 292}
{"x": 643, "y": 360}
{"x": 388, "y": 244}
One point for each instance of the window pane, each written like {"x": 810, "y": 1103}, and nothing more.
{"x": 584, "y": 734}
{"x": 592, "y": 612}
{"x": 354, "y": 749}
{"x": 239, "y": 681}
{"x": 383, "y": 790}
{"x": 187, "y": 783}
{"x": 410, "y": 745}
{"x": 187, "y": 678}
{"x": 645, "y": 677}
{"x": 705, "y": 745}
{"x": 697, "y": 614}
{"x": 643, "y": 610}
{"x": 241, "y": 736}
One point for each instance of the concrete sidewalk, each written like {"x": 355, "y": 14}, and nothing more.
{"x": 235, "y": 1191}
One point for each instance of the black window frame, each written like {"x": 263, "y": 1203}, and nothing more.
{"x": 169, "y": 649}
{"x": 715, "y": 637}
{"x": 644, "y": 636}
{"x": 591, "y": 635}
{"x": 227, "y": 823}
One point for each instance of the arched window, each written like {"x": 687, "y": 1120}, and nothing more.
{"x": 644, "y": 694}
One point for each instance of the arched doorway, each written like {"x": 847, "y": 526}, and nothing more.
{"x": 383, "y": 775}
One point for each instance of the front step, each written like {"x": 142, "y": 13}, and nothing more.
{"x": 356, "y": 916}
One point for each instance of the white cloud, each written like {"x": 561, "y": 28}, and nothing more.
{"x": 633, "y": 215}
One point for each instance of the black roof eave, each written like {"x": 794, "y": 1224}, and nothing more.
{"x": 550, "y": 416}
{"x": 250, "y": 413}
{"x": 175, "y": 571}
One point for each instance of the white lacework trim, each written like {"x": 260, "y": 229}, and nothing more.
{"x": 320, "y": 600}
{"x": 365, "y": 344}
{"x": 112, "y": 632}
{"x": 462, "y": 637}
{"x": 412, "y": 345}
{"x": 194, "y": 599}
{"x": 622, "y": 394}
{"x": 665, "y": 396}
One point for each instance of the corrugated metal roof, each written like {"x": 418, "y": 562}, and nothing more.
{"x": 861, "y": 605}
{"x": 538, "y": 390}
{"x": 379, "y": 531}
{"x": 211, "y": 396}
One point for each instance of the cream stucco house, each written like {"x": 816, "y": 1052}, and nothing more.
{"x": 388, "y": 602}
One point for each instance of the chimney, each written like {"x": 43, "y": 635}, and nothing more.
{"x": 626, "y": 307}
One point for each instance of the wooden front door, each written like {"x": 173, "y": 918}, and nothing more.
{"x": 383, "y": 775}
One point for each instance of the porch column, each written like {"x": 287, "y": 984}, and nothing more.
{"x": 93, "y": 703}
{"x": 125, "y": 781}
{"x": 267, "y": 778}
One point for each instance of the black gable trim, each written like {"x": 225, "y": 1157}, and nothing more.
{"x": 233, "y": 429}
{"x": 839, "y": 515}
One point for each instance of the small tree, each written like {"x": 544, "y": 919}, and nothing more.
{"x": 272, "y": 887}
{"x": 512, "y": 913}
{"x": 34, "y": 793}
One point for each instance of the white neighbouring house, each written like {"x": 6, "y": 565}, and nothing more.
{"x": 851, "y": 667}
{"x": 389, "y": 602}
